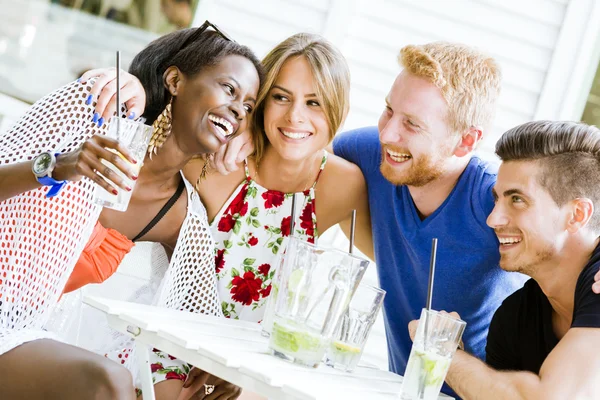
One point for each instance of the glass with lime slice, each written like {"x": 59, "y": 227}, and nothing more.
{"x": 313, "y": 289}
{"x": 355, "y": 325}
{"x": 434, "y": 346}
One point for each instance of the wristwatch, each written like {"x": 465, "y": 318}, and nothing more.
{"x": 42, "y": 168}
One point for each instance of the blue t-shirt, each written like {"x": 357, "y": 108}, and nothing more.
{"x": 468, "y": 279}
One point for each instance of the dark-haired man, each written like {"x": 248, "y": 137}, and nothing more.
{"x": 542, "y": 339}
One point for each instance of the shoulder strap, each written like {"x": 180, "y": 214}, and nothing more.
{"x": 323, "y": 162}
{"x": 247, "y": 170}
{"x": 162, "y": 211}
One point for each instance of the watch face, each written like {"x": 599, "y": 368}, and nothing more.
{"x": 42, "y": 163}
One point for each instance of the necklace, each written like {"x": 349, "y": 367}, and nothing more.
{"x": 307, "y": 183}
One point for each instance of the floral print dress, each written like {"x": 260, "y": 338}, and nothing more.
{"x": 249, "y": 233}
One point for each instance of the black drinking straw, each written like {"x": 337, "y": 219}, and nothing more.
{"x": 118, "y": 94}
{"x": 431, "y": 272}
{"x": 293, "y": 215}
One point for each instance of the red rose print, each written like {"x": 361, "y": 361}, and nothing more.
{"x": 219, "y": 260}
{"x": 246, "y": 289}
{"x": 264, "y": 269}
{"x": 285, "y": 226}
{"x": 307, "y": 221}
{"x": 226, "y": 223}
{"x": 244, "y": 209}
{"x": 253, "y": 241}
{"x": 306, "y": 217}
{"x": 175, "y": 375}
{"x": 266, "y": 291}
{"x": 237, "y": 205}
{"x": 273, "y": 198}
{"x": 171, "y": 357}
{"x": 155, "y": 367}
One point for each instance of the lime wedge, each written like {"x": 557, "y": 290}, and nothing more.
{"x": 345, "y": 348}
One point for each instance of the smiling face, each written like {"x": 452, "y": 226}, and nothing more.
{"x": 415, "y": 136}
{"x": 212, "y": 107}
{"x": 529, "y": 224}
{"x": 294, "y": 121}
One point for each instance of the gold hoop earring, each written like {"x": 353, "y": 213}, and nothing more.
{"x": 205, "y": 168}
{"x": 162, "y": 130}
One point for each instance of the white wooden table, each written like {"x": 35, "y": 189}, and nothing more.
{"x": 236, "y": 351}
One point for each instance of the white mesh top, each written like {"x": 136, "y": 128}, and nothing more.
{"x": 41, "y": 239}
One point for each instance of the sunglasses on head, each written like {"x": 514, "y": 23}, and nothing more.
{"x": 198, "y": 32}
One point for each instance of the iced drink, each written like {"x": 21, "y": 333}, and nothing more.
{"x": 435, "y": 343}
{"x": 297, "y": 343}
{"x": 343, "y": 356}
{"x": 135, "y": 136}
{"x": 425, "y": 374}
{"x": 120, "y": 201}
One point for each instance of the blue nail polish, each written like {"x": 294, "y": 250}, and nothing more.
{"x": 89, "y": 99}
{"x": 96, "y": 117}
{"x": 132, "y": 115}
{"x": 100, "y": 122}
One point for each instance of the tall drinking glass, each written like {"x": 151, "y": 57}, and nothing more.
{"x": 435, "y": 343}
{"x": 135, "y": 136}
{"x": 315, "y": 288}
{"x": 355, "y": 325}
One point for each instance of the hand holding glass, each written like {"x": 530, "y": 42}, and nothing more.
{"x": 435, "y": 343}
{"x": 135, "y": 136}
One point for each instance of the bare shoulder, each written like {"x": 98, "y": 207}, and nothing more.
{"x": 340, "y": 190}
{"x": 342, "y": 175}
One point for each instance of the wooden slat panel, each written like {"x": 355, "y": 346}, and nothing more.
{"x": 477, "y": 16}
{"x": 546, "y": 11}
{"x": 294, "y": 17}
{"x": 322, "y": 5}
{"x": 378, "y": 30}
{"x": 370, "y": 58}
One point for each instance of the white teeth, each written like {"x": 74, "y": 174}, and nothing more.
{"x": 398, "y": 157}
{"x": 228, "y": 127}
{"x": 295, "y": 135}
{"x": 509, "y": 240}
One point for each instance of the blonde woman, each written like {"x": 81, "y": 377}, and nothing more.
{"x": 302, "y": 105}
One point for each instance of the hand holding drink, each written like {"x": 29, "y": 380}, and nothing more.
{"x": 434, "y": 343}
{"x": 132, "y": 137}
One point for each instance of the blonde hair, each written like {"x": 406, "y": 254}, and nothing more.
{"x": 332, "y": 78}
{"x": 468, "y": 79}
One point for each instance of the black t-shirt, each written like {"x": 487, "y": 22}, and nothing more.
{"x": 521, "y": 335}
